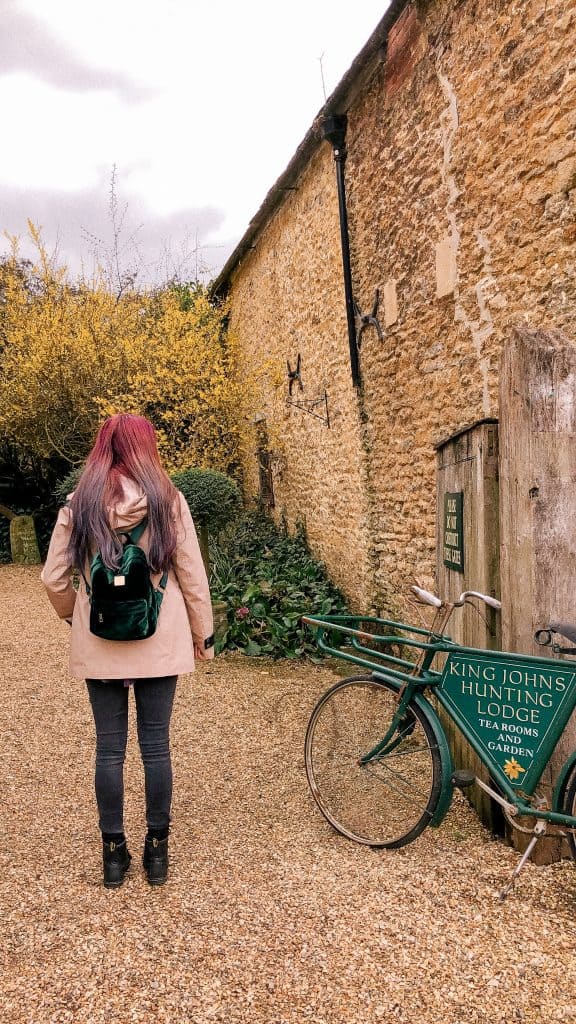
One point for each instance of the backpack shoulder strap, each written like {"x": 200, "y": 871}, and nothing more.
{"x": 134, "y": 536}
{"x": 86, "y": 584}
{"x": 137, "y": 531}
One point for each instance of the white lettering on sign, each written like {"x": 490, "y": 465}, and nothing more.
{"x": 510, "y": 679}
{"x": 506, "y": 749}
{"x": 451, "y": 555}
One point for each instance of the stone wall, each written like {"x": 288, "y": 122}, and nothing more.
{"x": 461, "y": 177}
{"x": 287, "y": 299}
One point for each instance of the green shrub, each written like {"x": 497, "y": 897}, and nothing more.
{"x": 213, "y": 498}
{"x": 68, "y": 484}
{"x": 269, "y": 580}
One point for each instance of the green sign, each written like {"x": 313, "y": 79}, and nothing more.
{"x": 514, "y": 708}
{"x": 453, "y": 531}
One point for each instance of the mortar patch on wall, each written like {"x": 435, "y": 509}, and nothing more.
{"x": 445, "y": 267}
{"x": 390, "y": 303}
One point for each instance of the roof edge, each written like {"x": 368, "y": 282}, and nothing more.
{"x": 343, "y": 94}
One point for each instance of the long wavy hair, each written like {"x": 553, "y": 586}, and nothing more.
{"x": 125, "y": 445}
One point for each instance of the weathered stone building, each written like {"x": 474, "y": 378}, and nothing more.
{"x": 461, "y": 194}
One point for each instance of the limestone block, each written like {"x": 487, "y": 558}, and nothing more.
{"x": 445, "y": 267}
{"x": 390, "y": 303}
{"x": 23, "y": 543}
{"x": 565, "y": 179}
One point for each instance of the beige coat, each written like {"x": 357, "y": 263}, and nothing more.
{"x": 185, "y": 618}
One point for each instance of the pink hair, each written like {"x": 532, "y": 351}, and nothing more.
{"x": 125, "y": 445}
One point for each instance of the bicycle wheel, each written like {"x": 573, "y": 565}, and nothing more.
{"x": 569, "y": 807}
{"x": 390, "y": 800}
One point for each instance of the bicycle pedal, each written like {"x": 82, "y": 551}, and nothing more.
{"x": 462, "y": 778}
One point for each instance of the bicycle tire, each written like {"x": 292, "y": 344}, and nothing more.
{"x": 390, "y": 801}
{"x": 569, "y": 807}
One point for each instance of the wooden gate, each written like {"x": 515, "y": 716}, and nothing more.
{"x": 468, "y": 559}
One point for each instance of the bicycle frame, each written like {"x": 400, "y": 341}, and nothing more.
{"x": 511, "y": 708}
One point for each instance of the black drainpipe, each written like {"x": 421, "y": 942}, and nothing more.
{"x": 334, "y": 130}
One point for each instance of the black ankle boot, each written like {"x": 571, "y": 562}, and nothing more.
{"x": 155, "y": 860}
{"x": 116, "y": 861}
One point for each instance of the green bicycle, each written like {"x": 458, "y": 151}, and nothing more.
{"x": 376, "y": 754}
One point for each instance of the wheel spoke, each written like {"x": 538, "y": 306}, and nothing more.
{"x": 388, "y": 800}
{"x": 421, "y": 794}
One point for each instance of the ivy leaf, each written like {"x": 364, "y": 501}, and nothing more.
{"x": 252, "y": 649}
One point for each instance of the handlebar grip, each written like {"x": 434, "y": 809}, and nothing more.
{"x": 492, "y": 601}
{"x": 427, "y": 597}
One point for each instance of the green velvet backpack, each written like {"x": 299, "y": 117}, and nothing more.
{"x": 124, "y": 604}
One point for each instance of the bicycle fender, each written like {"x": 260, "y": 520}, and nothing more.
{"x": 447, "y": 789}
{"x": 562, "y": 782}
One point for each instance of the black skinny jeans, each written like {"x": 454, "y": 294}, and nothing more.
{"x": 154, "y": 701}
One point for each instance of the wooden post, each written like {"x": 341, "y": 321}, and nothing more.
{"x": 204, "y": 543}
{"x": 538, "y": 501}
{"x": 468, "y": 467}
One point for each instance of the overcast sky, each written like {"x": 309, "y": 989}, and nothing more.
{"x": 198, "y": 106}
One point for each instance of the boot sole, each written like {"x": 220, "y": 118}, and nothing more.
{"x": 146, "y": 864}
{"x": 154, "y": 881}
{"x": 120, "y": 881}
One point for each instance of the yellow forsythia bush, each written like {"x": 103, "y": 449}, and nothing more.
{"x": 73, "y": 353}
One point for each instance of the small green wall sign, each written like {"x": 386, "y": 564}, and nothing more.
{"x": 453, "y": 531}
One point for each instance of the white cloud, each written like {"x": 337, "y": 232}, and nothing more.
{"x": 225, "y": 91}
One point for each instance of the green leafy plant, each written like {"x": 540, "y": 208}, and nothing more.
{"x": 269, "y": 580}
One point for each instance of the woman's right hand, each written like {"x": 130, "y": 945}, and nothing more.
{"x": 201, "y": 654}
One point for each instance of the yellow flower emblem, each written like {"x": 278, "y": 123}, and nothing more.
{"x": 512, "y": 769}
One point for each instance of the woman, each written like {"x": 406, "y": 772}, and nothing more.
{"x": 122, "y": 485}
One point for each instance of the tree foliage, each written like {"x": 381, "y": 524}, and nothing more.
{"x": 73, "y": 353}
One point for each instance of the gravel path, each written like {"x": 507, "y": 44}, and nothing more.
{"x": 268, "y": 916}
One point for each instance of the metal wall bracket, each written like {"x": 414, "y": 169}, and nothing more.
{"x": 294, "y": 376}
{"x": 309, "y": 405}
{"x": 364, "y": 320}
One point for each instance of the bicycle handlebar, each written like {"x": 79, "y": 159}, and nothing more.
{"x": 427, "y": 598}
{"x": 492, "y": 601}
